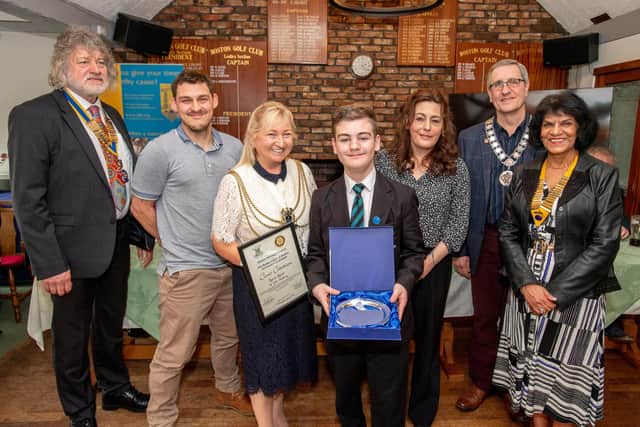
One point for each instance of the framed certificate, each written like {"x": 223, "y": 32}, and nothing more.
{"x": 272, "y": 264}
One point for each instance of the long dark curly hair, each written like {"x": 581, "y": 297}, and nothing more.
{"x": 442, "y": 159}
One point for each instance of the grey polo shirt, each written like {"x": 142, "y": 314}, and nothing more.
{"x": 183, "y": 179}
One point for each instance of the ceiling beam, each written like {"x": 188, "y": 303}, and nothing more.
{"x": 616, "y": 28}
{"x": 52, "y": 16}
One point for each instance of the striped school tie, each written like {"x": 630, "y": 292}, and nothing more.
{"x": 357, "y": 211}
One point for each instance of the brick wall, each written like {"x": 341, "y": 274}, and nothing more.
{"x": 313, "y": 91}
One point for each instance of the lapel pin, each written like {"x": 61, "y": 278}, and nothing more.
{"x": 376, "y": 220}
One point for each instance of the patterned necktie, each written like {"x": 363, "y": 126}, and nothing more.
{"x": 357, "y": 211}
{"x": 117, "y": 176}
{"x": 95, "y": 113}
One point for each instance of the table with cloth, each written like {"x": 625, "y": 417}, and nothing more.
{"x": 627, "y": 268}
{"x": 626, "y": 300}
{"x": 142, "y": 303}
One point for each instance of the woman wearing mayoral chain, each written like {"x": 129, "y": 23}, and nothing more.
{"x": 264, "y": 191}
{"x": 559, "y": 234}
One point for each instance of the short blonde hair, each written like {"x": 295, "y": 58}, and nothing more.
{"x": 71, "y": 38}
{"x": 262, "y": 118}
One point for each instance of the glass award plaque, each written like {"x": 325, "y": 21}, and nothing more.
{"x": 362, "y": 313}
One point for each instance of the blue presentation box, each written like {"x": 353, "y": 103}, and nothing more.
{"x": 361, "y": 264}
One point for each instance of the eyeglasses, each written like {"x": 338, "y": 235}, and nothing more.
{"x": 513, "y": 82}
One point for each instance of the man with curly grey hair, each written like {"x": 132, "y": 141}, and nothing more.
{"x": 71, "y": 157}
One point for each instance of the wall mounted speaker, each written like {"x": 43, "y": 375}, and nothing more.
{"x": 569, "y": 51}
{"x": 142, "y": 36}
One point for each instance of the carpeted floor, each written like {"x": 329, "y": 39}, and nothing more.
{"x": 12, "y": 333}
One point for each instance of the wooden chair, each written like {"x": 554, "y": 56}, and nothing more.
{"x": 628, "y": 350}
{"x": 10, "y": 258}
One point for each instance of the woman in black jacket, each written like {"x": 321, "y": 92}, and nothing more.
{"x": 559, "y": 234}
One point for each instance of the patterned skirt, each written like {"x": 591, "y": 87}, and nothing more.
{"x": 553, "y": 364}
{"x": 278, "y": 355}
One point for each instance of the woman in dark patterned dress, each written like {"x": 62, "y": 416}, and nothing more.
{"x": 559, "y": 234}
{"x": 424, "y": 156}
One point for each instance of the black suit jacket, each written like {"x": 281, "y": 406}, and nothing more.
{"x": 396, "y": 205}
{"x": 61, "y": 196}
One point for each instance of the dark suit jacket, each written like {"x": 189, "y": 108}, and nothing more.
{"x": 61, "y": 196}
{"x": 396, "y": 205}
{"x": 480, "y": 159}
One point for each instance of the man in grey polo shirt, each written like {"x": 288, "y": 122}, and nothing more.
{"x": 174, "y": 186}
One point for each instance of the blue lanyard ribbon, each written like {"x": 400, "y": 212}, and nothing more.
{"x": 84, "y": 115}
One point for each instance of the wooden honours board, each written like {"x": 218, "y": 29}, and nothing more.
{"x": 238, "y": 70}
{"x": 474, "y": 61}
{"x": 297, "y": 31}
{"x": 429, "y": 38}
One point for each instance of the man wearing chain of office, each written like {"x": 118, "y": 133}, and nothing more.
{"x": 491, "y": 149}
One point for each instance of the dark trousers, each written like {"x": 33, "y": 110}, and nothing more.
{"x": 429, "y": 299}
{"x": 489, "y": 293}
{"x": 385, "y": 365}
{"x": 94, "y": 308}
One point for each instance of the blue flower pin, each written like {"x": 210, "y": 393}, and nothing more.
{"x": 376, "y": 220}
